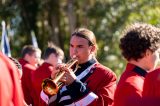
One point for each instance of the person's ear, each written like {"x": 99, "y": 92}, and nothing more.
{"x": 93, "y": 48}
{"x": 148, "y": 52}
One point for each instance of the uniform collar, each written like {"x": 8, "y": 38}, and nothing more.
{"x": 140, "y": 71}
{"x": 136, "y": 69}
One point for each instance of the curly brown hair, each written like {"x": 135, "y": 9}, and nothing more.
{"x": 138, "y": 38}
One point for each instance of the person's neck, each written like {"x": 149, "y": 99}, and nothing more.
{"x": 88, "y": 59}
{"x": 30, "y": 62}
{"x": 47, "y": 61}
{"x": 140, "y": 63}
{"x": 88, "y": 63}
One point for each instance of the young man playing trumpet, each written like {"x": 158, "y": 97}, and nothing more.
{"x": 52, "y": 56}
{"x": 92, "y": 84}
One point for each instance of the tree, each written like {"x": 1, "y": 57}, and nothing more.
{"x": 55, "y": 20}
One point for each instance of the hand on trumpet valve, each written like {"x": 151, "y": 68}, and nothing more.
{"x": 68, "y": 76}
{"x": 63, "y": 74}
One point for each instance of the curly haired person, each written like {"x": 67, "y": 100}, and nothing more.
{"x": 140, "y": 46}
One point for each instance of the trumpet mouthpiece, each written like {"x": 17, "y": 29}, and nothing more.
{"x": 74, "y": 57}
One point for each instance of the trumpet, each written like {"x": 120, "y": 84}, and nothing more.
{"x": 52, "y": 86}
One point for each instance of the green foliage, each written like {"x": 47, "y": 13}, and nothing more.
{"x": 54, "y": 20}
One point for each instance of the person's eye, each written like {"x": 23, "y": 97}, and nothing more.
{"x": 71, "y": 45}
{"x": 80, "y": 46}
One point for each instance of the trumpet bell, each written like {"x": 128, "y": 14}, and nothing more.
{"x": 49, "y": 87}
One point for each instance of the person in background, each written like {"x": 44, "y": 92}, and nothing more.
{"x": 92, "y": 84}
{"x": 140, "y": 46}
{"x": 52, "y": 56}
{"x": 30, "y": 58}
{"x": 10, "y": 89}
{"x": 31, "y": 55}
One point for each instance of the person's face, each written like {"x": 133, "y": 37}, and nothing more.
{"x": 54, "y": 59}
{"x": 80, "y": 48}
{"x": 34, "y": 58}
{"x": 153, "y": 59}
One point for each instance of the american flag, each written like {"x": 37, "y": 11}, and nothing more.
{"x": 5, "y": 47}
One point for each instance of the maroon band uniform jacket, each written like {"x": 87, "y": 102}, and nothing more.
{"x": 130, "y": 86}
{"x": 94, "y": 86}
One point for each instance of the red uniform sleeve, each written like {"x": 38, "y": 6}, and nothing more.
{"x": 105, "y": 89}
